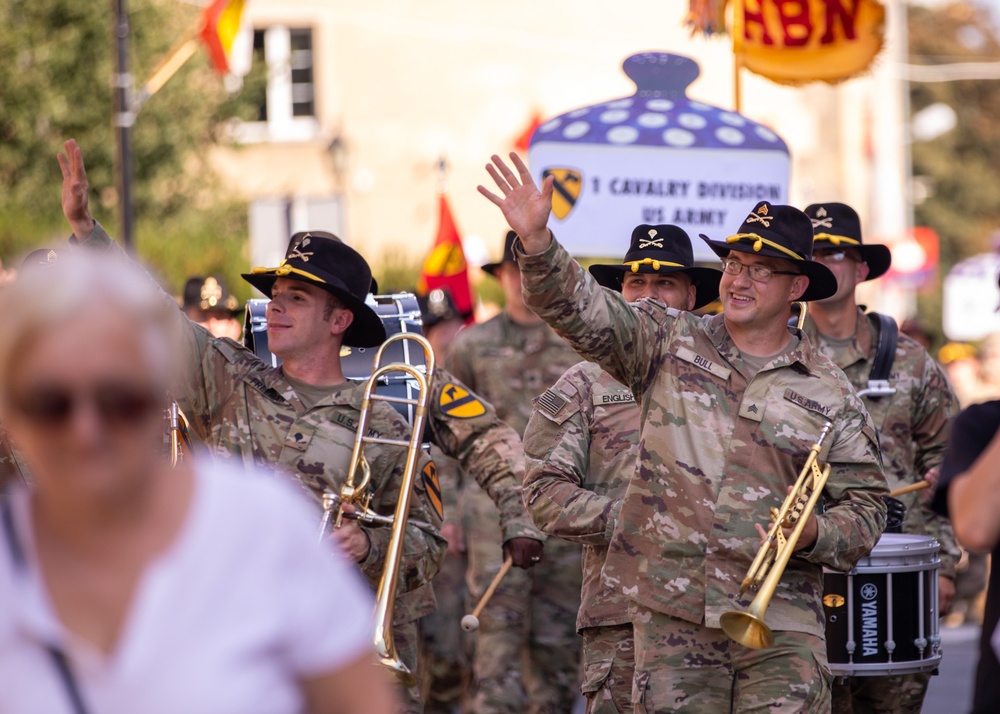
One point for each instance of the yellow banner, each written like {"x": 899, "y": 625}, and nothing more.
{"x": 799, "y": 41}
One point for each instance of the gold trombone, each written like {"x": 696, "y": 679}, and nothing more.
{"x": 747, "y": 626}
{"x": 356, "y": 491}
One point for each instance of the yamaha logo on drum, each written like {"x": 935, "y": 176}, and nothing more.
{"x": 869, "y": 620}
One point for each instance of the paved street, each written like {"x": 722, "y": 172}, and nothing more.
{"x": 951, "y": 691}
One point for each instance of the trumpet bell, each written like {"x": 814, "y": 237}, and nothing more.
{"x": 747, "y": 629}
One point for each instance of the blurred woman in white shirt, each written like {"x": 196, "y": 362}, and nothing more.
{"x": 128, "y": 586}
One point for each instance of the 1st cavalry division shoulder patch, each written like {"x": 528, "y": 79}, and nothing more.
{"x": 433, "y": 487}
{"x": 459, "y": 403}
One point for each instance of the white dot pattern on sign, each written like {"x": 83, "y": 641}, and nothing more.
{"x": 732, "y": 119}
{"x": 576, "y": 130}
{"x": 660, "y": 105}
{"x": 766, "y": 134}
{"x": 692, "y": 121}
{"x": 550, "y": 125}
{"x": 620, "y": 104}
{"x": 678, "y": 137}
{"x": 699, "y": 107}
{"x": 623, "y": 134}
{"x": 613, "y": 116}
{"x": 578, "y": 112}
{"x": 729, "y": 135}
{"x": 651, "y": 120}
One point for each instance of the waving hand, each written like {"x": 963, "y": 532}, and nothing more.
{"x": 523, "y": 205}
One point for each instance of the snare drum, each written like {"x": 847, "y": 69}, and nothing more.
{"x": 399, "y": 313}
{"x": 882, "y": 617}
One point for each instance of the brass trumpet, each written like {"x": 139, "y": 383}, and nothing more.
{"x": 356, "y": 491}
{"x": 747, "y": 626}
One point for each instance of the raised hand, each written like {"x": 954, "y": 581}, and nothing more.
{"x": 524, "y": 206}
{"x": 75, "y": 190}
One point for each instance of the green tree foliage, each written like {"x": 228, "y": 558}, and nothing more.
{"x": 56, "y": 83}
{"x": 963, "y": 165}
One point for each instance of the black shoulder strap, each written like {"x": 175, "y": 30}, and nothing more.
{"x": 885, "y": 353}
{"x": 58, "y": 657}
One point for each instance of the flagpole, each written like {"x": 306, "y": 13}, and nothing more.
{"x": 170, "y": 64}
{"x": 124, "y": 119}
{"x": 738, "y": 55}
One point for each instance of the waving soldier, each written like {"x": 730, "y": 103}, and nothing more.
{"x": 730, "y": 407}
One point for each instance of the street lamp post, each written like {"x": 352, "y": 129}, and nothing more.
{"x": 124, "y": 119}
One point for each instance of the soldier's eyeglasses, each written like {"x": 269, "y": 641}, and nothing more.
{"x": 757, "y": 273}
{"x": 116, "y": 405}
{"x": 830, "y": 256}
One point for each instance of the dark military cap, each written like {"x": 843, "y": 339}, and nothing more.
{"x": 438, "y": 306}
{"x": 837, "y": 225}
{"x": 661, "y": 249}
{"x": 780, "y": 232}
{"x": 322, "y": 259}
{"x": 209, "y": 294}
{"x": 43, "y": 257}
{"x": 508, "y": 254}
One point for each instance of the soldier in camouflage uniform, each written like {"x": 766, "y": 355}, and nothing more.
{"x": 527, "y": 641}
{"x": 581, "y": 455}
{"x": 912, "y": 423}
{"x": 447, "y": 667}
{"x": 730, "y": 406}
{"x": 243, "y": 409}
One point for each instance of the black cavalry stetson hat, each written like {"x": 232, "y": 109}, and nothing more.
{"x": 322, "y": 259}
{"x": 661, "y": 249}
{"x": 508, "y": 254}
{"x": 836, "y": 225}
{"x": 209, "y": 294}
{"x": 780, "y": 232}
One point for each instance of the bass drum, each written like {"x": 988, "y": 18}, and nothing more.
{"x": 399, "y": 313}
{"x": 882, "y": 617}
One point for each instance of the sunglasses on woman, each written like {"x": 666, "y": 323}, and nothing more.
{"x": 116, "y": 404}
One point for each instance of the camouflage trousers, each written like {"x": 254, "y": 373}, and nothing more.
{"x": 407, "y": 640}
{"x": 526, "y": 651}
{"x": 608, "y": 668}
{"x": 684, "y": 667}
{"x": 899, "y": 694}
{"x": 444, "y": 656}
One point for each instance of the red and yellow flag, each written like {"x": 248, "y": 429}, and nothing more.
{"x": 445, "y": 266}
{"x": 220, "y": 26}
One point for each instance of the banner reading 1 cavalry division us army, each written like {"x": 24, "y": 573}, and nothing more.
{"x": 655, "y": 157}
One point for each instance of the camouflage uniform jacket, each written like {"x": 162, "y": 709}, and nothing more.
{"x": 912, "y": 424}
{"x": 510, "y": 364}
{"x": 718, "y": 446}
{"x": 581, "y": 446}
{"x": 241, "y": 408}
{"x": 468, "y": 430}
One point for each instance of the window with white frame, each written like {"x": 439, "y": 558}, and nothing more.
{"x": 288, "y": 109}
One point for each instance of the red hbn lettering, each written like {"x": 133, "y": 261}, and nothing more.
{"x": 796, "y": 21}
{"x": 835, "y": 11}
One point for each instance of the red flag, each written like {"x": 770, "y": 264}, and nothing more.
{"x": 524, "y": 140}
{"x": 445, "y": 266}
{"x": 220, "y": 25}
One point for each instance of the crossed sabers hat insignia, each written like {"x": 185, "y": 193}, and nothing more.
{"x": 652, "y": 241}
{"x": 822, "y": 220}
{"x": 760, "y": 217}
{"x": 296, "y": 252}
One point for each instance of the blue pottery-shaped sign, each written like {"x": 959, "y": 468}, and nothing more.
{"x": 655, "y": 157}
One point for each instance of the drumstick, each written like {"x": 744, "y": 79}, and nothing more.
{"x": 918, "y": 486}
{"x": 470, "y": 623}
